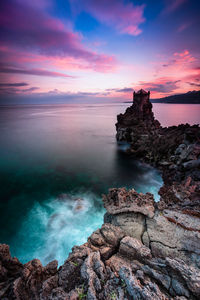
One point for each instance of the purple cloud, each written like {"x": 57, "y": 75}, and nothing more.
{"x": 37, "y": 72}
{"x": 10, "y": 90}
{"x": 160, "y": 85}
{"x": 123, "y": 16}
{"x": 31, "y": 89}
{"x": 29, "y": 28}
{"x": 124, "y": 90}
{"x": 194, "y": 84}
{"x": 173, "y": 5}
{"x": 17, "y": 84}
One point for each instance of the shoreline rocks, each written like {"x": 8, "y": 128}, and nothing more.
{"x": 114, "y": 264}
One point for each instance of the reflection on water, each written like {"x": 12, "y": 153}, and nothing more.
{"x": 175, "y": 114}
{"x": 55, "y": 163}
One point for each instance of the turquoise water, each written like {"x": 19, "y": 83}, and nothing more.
{"x": 55, "y": 163}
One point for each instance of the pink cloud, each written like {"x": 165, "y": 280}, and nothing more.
{"x": 124, "y": 17}
{"x": 173, "y": 74}
{"x": 193, "y": 75}
{"x": 173, "y": 5}
{"x": 184, "y": 26}
{"x": 28, "y": 28}
{"x": 178, "y": 65}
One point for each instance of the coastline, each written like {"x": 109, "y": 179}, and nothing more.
{"x": 166, "y": 102}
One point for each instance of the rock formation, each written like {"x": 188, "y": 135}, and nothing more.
{"x": 144, "y": 250}
{"x": 138, "y": 119}
{"x": 140, "y": 252}
{"x": 175, "y": 150}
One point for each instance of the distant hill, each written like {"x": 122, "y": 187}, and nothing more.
{"x": 187, "y": 98}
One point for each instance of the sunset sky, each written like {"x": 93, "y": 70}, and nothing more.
{"x": 97, "y": 49}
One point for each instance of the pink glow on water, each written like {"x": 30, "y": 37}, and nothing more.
{"x": 175, "y": 114}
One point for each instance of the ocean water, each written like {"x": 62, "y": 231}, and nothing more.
{"x": 56, "y": 161}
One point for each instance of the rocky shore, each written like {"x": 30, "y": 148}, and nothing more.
{"x": 144, "y": 249}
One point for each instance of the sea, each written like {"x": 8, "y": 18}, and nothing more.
{"x": 56, "y": 162}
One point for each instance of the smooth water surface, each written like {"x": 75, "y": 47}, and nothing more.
{"x": 55, "y": 163}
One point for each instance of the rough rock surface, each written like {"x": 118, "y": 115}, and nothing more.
{"x": 158, "y": 259}
{"x": 144, "y": 250}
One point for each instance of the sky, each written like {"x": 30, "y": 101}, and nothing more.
{"x": 69, "y": 50}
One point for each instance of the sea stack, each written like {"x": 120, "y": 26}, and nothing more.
{"x": 138, "y": 118}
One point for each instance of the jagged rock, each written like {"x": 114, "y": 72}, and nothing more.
{"x": 149, "y": 291}
{"x": 179, "y": 289}
{"x": 190, "y": 274}
{"x": 133, "y": 224}
{"x": 89, "y": 270}
{"x": 133, "y": 248}
{"x": 117, "y": 261}
{"x": 167, "y": 238}
{"x": 163, "y": 279}
{"x": 120, "y": 201}
{"x": 182, "y": 219}
{"x": 69, "y": 274}
{"x": 106, "y": 240}
{"x": 112, "y": 234}
{"x": 47, "y": 287}
{"x": 130, "y": 271}
{"x": 191, "y": 164}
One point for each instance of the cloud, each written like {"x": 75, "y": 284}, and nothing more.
{"x": 180, "y": 58}
{"x": 184, "y": 26}
{"x": 14, "y": 91}
{"x": 32, "y": 89}
{"x": 26, "y": 27}
{"x": 16, "y": 95}
{"x": 194, "y": 84}
{"x": 181, "y": 65}
{"x": 17, "y": 84}
{"x": 125, "y": 17}
{"x": 173, "y": 5}
{"x": 37, "y": 72}
{"x": 117, "y": 90}
{"x": 125, "y": 90}
{"x": 160, "y": 85}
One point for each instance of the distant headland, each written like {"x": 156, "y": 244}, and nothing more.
{"x": 191, "y": 97}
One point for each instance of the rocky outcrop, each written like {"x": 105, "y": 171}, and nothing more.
{"x": 175, "y": 150}
{"x": 144, "y": 250}
{"x": 138, "y": 119}
{"x": 168, "y": 233}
